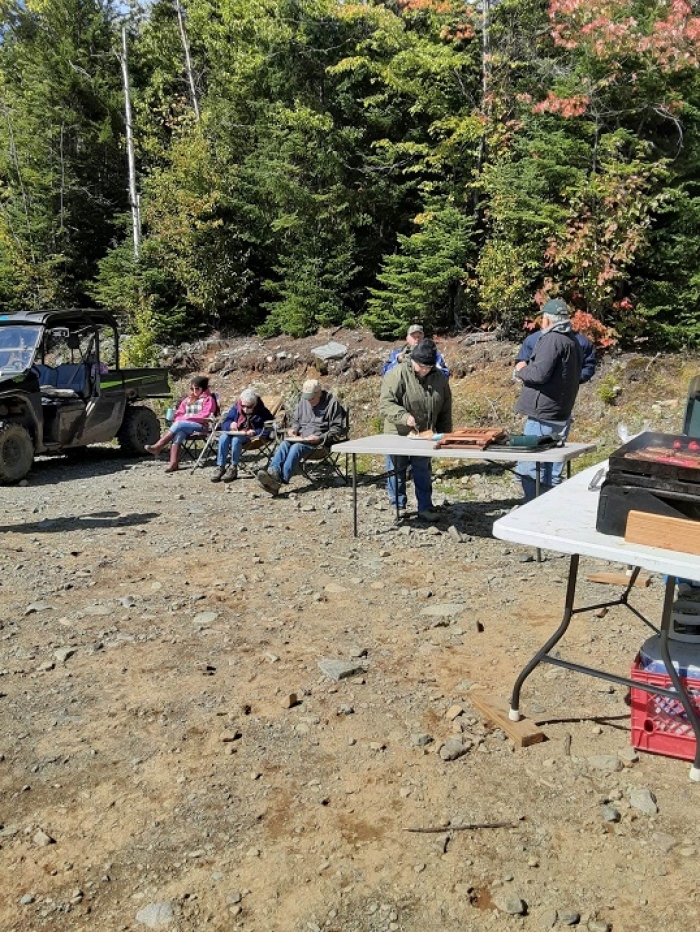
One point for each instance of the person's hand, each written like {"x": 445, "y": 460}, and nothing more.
{"x": 292, "y": 434}
{"x": 520, "y": 365}
{"x": 410, "y": 421}
{"x": 251, "y": 433}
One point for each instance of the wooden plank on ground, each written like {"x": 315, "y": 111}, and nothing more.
{"x": 677, "y": 534}
{"x": 619, "y": 579}
{"x": 523, "y": 733}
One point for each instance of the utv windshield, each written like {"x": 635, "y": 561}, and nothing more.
{"x": 18, "y": 345}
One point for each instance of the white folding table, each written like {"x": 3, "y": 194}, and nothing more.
{"x": 392, "y": 445}
{"x": 564, "y": 520}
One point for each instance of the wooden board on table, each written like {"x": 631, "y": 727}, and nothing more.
{"x": 523, "y": 733}
{"x": 661, "y": 531}
{"x": 619, "y": 579}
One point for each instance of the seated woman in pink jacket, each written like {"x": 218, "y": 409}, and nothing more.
{"x": 192, "y": 416}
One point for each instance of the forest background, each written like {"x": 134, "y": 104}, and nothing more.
{"x": 312, "y": 163}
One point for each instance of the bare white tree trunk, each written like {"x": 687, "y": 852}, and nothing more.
{"x": 133, "y": 195}
{"x": 63, "y": 181}
{"x": 486, "y": 54}
{"x": 188, "y": 59}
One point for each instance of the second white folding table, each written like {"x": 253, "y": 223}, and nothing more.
{"x": 393, "y": 445}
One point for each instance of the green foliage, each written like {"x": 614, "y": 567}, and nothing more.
{"x": 373, "y": 162}
{"x": 608, "y": 389}
{"x": 139, "y": 347}
{"x": 61, "y": 179}
{"x": 424, "y": 279}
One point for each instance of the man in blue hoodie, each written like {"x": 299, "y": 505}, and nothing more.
{"x": 550, "y": 385}
{"x": 413, "y": 337}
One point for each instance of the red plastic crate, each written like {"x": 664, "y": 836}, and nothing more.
{"x": 659, "y": 723}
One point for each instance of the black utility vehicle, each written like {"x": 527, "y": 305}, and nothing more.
{"x": 61, "y": 387}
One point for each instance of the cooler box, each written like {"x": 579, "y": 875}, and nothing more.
{"x": 659, "y": 723}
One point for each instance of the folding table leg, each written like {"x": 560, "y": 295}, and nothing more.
{"x": 396, "y": 478}
{"x": 538, "y": 480}
{"x": 514, "y": 713}
{"x": 354, "y": 494}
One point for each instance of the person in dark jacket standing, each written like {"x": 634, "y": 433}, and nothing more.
{"x": 415, "y": 396}
{"x": 550, "y": 385}
{"x": 587, "y": 347}
{"x": 588, "y": 367}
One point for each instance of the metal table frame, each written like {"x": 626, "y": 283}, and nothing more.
{"x": 564, "y": 521}
{"x": 392, "y": 445}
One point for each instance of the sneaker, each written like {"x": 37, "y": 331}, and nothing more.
{"x": 231, "y": 474}
{"x": 429, "y": 515}
{"x": 218, "y": 474}
{"x": 268, "y": 481}
{"x": 276, "y": 474}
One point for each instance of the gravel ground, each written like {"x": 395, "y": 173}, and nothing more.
{"x": 173, "y": 755}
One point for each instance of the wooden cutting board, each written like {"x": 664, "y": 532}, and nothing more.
{"x": 678, "y": 534}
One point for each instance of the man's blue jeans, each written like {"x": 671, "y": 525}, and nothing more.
{"x": 422, "y": 480}
{"x": 232, "y": 445}
{"x": 527, "y": 472}
{"x": 288, "y": 456}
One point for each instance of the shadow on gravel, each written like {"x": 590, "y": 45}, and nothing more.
{"x": 97, "y": 519}
{"x": 79, "y": 464}
{"x": 610, "y": 720}
{"x": 471, "y": 519}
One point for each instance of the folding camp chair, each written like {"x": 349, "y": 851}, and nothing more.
{"x": 197, "y": 445}
{"x": 323, "y": 464}
{"x": 201, "y": 446}
{"x": 258, "y": 453}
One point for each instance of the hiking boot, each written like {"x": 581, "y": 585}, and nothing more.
{"x": 218, "y": 474}
{"x": 231, "y": 474}
{"x": 267, "y": 480}
{"x": 429, "y": 514}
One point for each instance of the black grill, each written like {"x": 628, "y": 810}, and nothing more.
{"x": 655, "y": 473}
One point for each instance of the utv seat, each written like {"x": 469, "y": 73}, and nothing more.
{"x": 47, "y": 375}
{"x": 67, "y": 381}
{"x": 72, "y": 376}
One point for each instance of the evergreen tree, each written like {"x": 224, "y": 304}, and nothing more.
{"x": 424, "y": 280}
{"x": 61, "y": 169}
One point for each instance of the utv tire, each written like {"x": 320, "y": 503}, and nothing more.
{"x": 16, "y": 452}
{"x": 139, "y": 428}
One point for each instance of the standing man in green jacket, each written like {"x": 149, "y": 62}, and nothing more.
{"x": 415, "y": 396}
